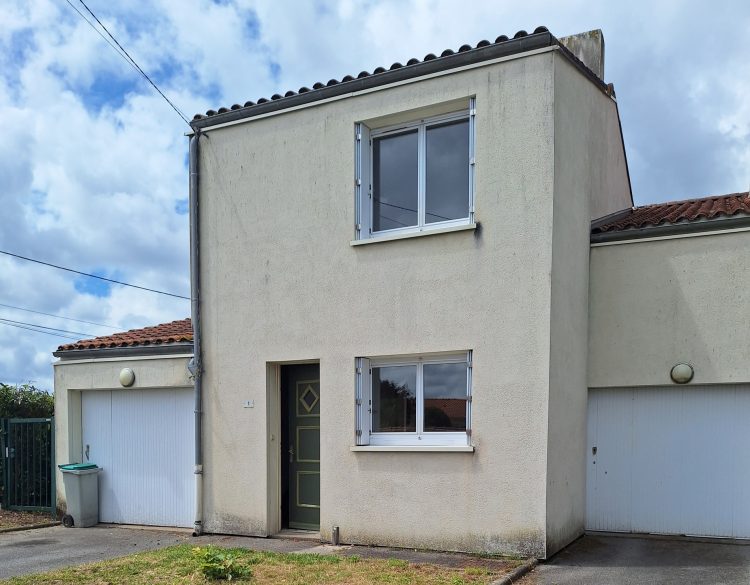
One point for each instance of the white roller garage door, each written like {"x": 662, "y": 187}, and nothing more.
{"x": 672, "y": 460}
{"x": 143, "y": 441}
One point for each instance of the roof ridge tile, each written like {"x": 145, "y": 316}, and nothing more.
{"x": 378, "y": 70}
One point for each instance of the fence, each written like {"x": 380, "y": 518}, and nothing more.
{"x": 27, "y": 457}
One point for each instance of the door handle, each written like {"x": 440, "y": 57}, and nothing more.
{"x": 87, "y": 452}
{"x": 291, "y": 454}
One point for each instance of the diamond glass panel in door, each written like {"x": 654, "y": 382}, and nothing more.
{"x": 394, "y": 399}
{"x": 394, "y": 178}
{"x": 445, "y": 397}
{"x": 447, "y": 172}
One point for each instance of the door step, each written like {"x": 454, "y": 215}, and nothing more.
{"x": 294, "y": 534}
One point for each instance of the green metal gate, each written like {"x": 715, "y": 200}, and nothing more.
{"x": 27, "y": 446}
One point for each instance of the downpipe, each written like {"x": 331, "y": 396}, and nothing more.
{"x": 196, "y": 363}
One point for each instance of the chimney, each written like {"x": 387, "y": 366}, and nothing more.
{"x": 589, "y": 48}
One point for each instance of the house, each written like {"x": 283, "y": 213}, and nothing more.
{"x": 428, "y": 315}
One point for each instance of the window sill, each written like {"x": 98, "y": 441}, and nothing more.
{"x": 424, "y": 232}
{"x": 413, "y": 448}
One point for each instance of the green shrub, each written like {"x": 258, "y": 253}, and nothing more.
{"x": 25, "y": 401}
{"x": 217, "y": 563}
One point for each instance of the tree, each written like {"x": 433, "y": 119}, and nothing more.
{"x": 25, "y": 401}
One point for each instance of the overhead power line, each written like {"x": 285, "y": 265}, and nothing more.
{"x": 120, "y": 50}
{"x": 57, "y": 316}
{"x": 39, "y": 331}
{"x": 153, "y": 290}
{"x": 11, "y": 321}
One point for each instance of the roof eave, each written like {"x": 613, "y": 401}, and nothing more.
{"x": 477, "y": 55}
{"x": 673, "y": 229}
{"x": 129, "y": 351}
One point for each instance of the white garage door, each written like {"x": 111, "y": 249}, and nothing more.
{"x": 673, "y": 460}
{"x": 143, "y": 441}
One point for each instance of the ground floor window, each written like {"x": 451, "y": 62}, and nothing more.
{"x": 414, "y": 400}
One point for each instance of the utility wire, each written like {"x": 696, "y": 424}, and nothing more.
{"x": 57, "y": 316}
{"x": 153, "y": 290}
{"x": 38, "y": 331}
{"x": 97, "y": 31}
{"x": 11, "y": 321}
{"x": 120, "y": 50}
{"x": 179, "y": 113}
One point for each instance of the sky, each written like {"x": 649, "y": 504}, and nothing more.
{"x": 93, "y": 163}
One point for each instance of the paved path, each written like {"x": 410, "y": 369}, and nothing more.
{"x": 604, "y": 560}
{"x": 44, "y": 549}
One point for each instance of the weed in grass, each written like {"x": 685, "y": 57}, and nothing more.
{"x": 217, "y": 563}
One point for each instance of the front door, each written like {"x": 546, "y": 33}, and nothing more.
{"x": 301, "y": 445}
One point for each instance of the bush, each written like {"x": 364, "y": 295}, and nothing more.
{"x": 217, "y": 563}
{"x": 25, "y": 401}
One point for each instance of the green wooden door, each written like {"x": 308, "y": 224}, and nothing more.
{"x": 303, "y": 447}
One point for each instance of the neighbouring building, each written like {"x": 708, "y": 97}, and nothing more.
{"x": 432, "y": 317}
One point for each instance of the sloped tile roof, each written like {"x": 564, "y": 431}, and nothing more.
{"x": 174, "y": 332}
{"x": 520, "y": 42}
{"x": 674, "y": 212}
{"x": 378, "y": 70}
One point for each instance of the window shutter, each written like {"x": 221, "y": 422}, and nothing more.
{"x": 472, "y": 162}
{"x": 362, "y": 182}
{"x": 469, "y": 373}
{"x": 363, "y": 400}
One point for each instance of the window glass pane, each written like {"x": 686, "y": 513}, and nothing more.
{"x": 394, "y": 161}
{"x": 394, "y": 399}
{"x": 447, "y": 172}
{"x": 445, "y": 397}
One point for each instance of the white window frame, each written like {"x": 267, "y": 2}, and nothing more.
{"x": 364, "y": 137}
{"x": 364, "y": 434}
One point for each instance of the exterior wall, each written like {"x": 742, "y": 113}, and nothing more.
{"x": 74, "y": 377}
{"x": 588, "y": 162}
{"x": 657, "y": 303}
{"x": 604, "y": 161}
{"x": 281, "y": 283}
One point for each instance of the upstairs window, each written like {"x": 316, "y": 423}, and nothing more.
{"x": 414, "y": 400}
{"x": 415, "y": 177}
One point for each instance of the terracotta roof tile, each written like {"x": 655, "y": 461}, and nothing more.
{"x": 174, "y": 332}
{"x": 672, "y": 212}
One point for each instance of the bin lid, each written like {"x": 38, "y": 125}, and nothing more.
{"x": 77, "y": 466}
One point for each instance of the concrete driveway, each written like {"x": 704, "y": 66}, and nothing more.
{"x": 601, "y": 560}
{"x": 44, "y": 549}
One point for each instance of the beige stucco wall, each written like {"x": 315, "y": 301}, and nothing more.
{"x": 590, "y": 180}
{"x": 76, "y": 376}
{"x": 282, "y": 283}
{"x": 657, "y": 303}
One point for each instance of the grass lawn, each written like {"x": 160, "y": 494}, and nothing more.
{"x": 178, "y": 564}
{"x": 13, "y": 519}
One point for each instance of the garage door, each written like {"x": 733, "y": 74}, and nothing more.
{"x": 673, "y": 460}
{"x": 143, "y": 441}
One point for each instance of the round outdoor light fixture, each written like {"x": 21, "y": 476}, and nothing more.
{"x": 682, "y": 373}
{"x": 127, "y": 377}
